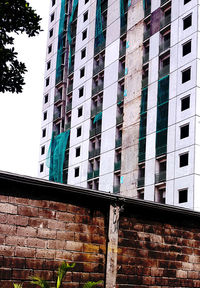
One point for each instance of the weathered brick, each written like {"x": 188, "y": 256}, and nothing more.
{"x": 8, "y": 208}
{"x": 21, "y": 274}
{"x": 39, "y": 203}
{"x": 45, "y": 253}
{"x": 56, "y": 244}
{"x": 14, "y": 262}
{"x": 17, "y": 220}
{"x": 3, "y": 218}
{"x": 26, "y": 231}
{"x": 5, "y": 273}
{"x": 46, "y": 233}
{"x": 90, "y": 248}
{"x": 4, "y": 198}
{"x": 64, "y": 255}
{"x": 65, "y": 235}
{"x": 7, "y": 229}
{"x": 53, "y": 224}
{"x": 65, "y": 216}
{"x": 7, "y": 250}
{"x": 47, "y": 213}
{"x": 38, "y": 223}
{"x": 35, "y": 242}
{"x": 15, "y": 241}
{"x": 34, "y": 263}
{"x": 59, "y": 206}
{"x": 25, "y": 252}
{"x": 28, "y": 211}
{"x": 74, "y": 246}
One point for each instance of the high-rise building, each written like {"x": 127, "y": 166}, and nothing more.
{"x": 121, "y": 105}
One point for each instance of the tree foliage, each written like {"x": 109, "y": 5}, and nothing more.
{"x": 15, "y": 16}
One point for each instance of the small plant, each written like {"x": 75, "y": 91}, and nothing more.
{"x": 17, "y": 285}
{"x": 91, "y": 284}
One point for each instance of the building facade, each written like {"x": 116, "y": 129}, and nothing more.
{"x": 121, "y": 108}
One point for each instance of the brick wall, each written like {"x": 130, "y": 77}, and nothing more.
{"x": 37, "y": 235}
{"x": 145, "y": 245}
{"x": 158, "y": 250}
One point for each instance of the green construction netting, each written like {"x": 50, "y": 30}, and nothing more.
{"x": 162, "y": 117}
{"x": 146, "y": 4}
{"x": 60, "y": 42}
{"x": 99, "y": 37}
{"x": 143, "y": 124}
{"x": 163, "y": 90}
{"x": 122, "y": 14}
{"x": 69, "y": 37}
{"x": 56, "y": 156}
{"x": 143, "y": 107}
{"x": 97, "y": 117}
{"x": 161, "y": 142}
{"x": 142, "y": 148}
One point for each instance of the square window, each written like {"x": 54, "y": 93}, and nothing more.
{"x": 81, "y": 91}
{"x": 44, "y": 132}
{"x": 83, "y": 53}
{"x": 183, "y": 196}
{"x": 49, "y": 49}
{"x": 187, "y": 48}
{"x": 186, "y": 1}
{"x": 185, "y": 103}
{"x": 187, "y": 22}
{"x": 85, "y": 16}
{"x": 76, "y": 172}
{"x": 53, "y": 2}
{"x": 86, "y": 1}
{"x": 51, "y": 33}
{"x": 52, "y": 17}
{"x": 42, "y": 150}
{"x": 82, "y": 72}
{"x": 184, "y": 159}
{"x": 41, "y": 167}
{"x": 78, "y": 131}
{"x": 48, "y": 65}
{"x": 46, "y": 98}
{"x": 186, "y": 75}
{"x": 80, "y": 111}
{"x": 78, "y": 151}
{"x": 47, "y": 82}
{"x": 45, "y": 115}
{"x": 184, "y": 131}
{"x": 84, "y": 34}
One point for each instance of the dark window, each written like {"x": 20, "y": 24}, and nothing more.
{"x": 41, "y": 167}
{"x": 48, "y": 65}
{"x": 187, "y": 48}
{"x": 76, "y": 172}
{"x": 81, "y": 90}
{"x": 78, "y": 132}
{"x": 186, "y": 1}
{"x": 53, "y": 2}
{"x": 184, "y": 131}
{"x": 84, "y": 34}
{"x": 186, "y": 75}
{"x": 52, "y": 17}
{"x": 80, "y": 111}
{"x": 51, "y": 33}
{"x": 185, "y": 103}
{"x": 46, "y": 98}
{"x": 45, "y": 115}
{"x": 49, "y": 49}
{"x": 78, "y": 151}
{"x": 83, "y": 53}
{"x": 85, "y": 16}
{"x": 183, "y": 196}
{"x": 86, "y": 1}
{"x": 187, "y": 22}
{"x": 44, "y": 132}
{"x": 42, "y": 150}
{"x": 47, "y": 81}
{"x": 184, "y": 160}
{"x": 82, "y": 72}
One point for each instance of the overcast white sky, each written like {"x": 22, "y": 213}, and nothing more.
{"x": 20, "y": 114}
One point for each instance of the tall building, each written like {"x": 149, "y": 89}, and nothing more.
{"x": 121, "y": 105}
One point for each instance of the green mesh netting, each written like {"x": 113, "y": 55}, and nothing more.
{"x": 69, "y": 37}
{"x": 144, "y": 100}
{"x": 162, "y": 117}
{"x": 143, "y": 124}
{"x": 161, "y": 142}
{"x": 163, "y": 90}
{"x": 97, "y": 117}
{"x": 146, "y": 4}
{"x": 142, "y": 148}
{"x": 56, "y": 156}
{"x": 122, "y": 14}
{"x": 60, "y": 42}
{"x": 99, "y": 37}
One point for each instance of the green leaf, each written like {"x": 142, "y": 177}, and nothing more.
{"x": 17, "y": 285}
{"x": 91, "y": 284}
{"x": 62, "y": 270}
{"x": 40, "y": 282}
